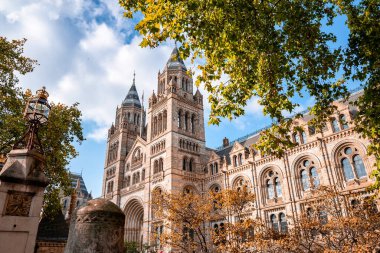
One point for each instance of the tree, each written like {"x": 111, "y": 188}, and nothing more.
{"x": 184, "y": 217}
{"x": 57, "y": 136}
{"x": 334, "y": 221}
{"x": 331, "y": 221}
{"x": 187, "y": 217}
{"x": 11, "y": 97}
{"x": 274, "y": 49}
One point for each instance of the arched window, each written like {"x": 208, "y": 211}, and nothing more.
{"x": 347, "y": 169}
{"x": 216, "y": 228}
{"x": 304, "y": 138}
{"x": 352, "y": 164}
{"x": 159, "y": 127}
{"x": 359, "y": 166}
{"x": 240, "y": 159}
{"x": 311, "y": 130}
{"x": 240, "y": 183}
{"x": 308, "y": 174}
{"x": 283, "y": 223}
{"x": 215, "y": 188}
{"x": 179, "y": 119}
{"x": 160, "y": 164}
{"x": 235, "y": 161}
{"x": 272, "y": 185}
{"x": 277, "y": 185}
{"x": 343, "y": 121}
{"x": 188, "y": 190}
{"x": 355, "y": 203}
{"x": 155, "y": 167}
{"x": 270, "y": 189}
{"x": 165, "y": 119}
{"x": 216, "y": 168}
{"x": 296, "y": 138}
{"x": 110, "y": 187}
{"x": 143, "y": 175}
{"x": 212, "y": 169}
{"x": 186, "y": 121}
{"x": 274, "y": 222}
{"x": 314, "y": 177}
{"x": 191, "y": 163}
{"x": 155, "y": 126}
{"x": 184, "y": 161}
{"x": 305, "y": 180}
{"x": 192, "y": 122}
{"x": 335, "y": 125}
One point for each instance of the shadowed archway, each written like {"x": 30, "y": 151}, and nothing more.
{"x": 134, "y": 214}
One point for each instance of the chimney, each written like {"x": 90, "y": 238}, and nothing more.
{"x": 226, "y": 142}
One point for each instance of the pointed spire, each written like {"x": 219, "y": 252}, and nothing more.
{"x": 132, "y": 97}
{"x": 175, "y": 61}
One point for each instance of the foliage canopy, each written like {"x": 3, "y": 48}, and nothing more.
{"x": 57, "y": 136}
{"x": 330, "y": 221}
{"x": 276, "y": 50}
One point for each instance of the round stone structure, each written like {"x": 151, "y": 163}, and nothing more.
{"x": 96, "y": 227}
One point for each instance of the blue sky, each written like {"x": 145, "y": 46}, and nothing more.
{"x": 87, "y": 53}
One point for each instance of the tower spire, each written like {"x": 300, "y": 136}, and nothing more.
{"x": 132, "y": 97}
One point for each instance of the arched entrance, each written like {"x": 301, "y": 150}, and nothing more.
{"x": 134, "y": 214}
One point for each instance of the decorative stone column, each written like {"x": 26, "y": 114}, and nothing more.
{"x": 96, "y": 227}
{"x": 22, "y": 185}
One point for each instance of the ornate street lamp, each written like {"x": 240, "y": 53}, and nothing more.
{"x": 36, "y": 113}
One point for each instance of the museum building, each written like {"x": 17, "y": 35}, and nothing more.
{"x": 163, "y": 147}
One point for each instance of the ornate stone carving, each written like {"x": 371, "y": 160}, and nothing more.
{"x": 18, "y": 203}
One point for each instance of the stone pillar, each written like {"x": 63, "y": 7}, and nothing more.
{"x": 96, "y": 227}
{"x": 22, "y": 185}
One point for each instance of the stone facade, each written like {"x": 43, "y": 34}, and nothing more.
{"x": 169, "y": 152}
{"x": 22, "y": 185}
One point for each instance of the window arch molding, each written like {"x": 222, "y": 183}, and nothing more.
{"x": 307, "y": 171}
{"x": 189, "y": 189}
{"x": 158, "y": 188}
{"x": 358, "y": 150}
{"x": 215, "y": 187}
{"x": 272, "y": 184}
{"x": 241, "y": 180}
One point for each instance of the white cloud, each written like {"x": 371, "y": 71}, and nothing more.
{"x": 253, "y": 107}
{"x": 98, "y": 134}
{"x": 82, "y": 54}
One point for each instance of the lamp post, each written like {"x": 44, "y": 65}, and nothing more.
{"x": 36, "y": 114}
{"x": 23, "y": 182}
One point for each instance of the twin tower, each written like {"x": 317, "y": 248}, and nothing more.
{"x": 161, "y": 147}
